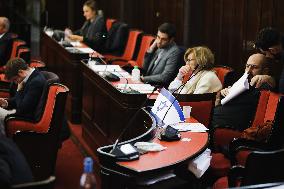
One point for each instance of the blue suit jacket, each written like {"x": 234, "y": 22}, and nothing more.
{"x": 26, "y": 100}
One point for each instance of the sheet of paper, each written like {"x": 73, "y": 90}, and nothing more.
{"x": 193, "y": 127}
{"x": 85, "y": 49}
{"x": 104, "y": 68}
{"x": 142, "y": 88}
{"x": 238, "y": 87}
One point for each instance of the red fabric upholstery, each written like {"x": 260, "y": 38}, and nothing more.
{"x": 221, "y": 183}
{"x": 37, "y": 64}
{"x": 201, "y": 111}
{"x": 109, "y": 23}
{"x": 223, "y": 136}
{"x": 145, "y": 43}
{"x": 43, "y": 125}
{"x": 219, "y": 165}
{"x": 241, "y": 156}
{"x": 221, "y": 72}
{"x": 16, "y": 44}
{"x": 129, "y": 49}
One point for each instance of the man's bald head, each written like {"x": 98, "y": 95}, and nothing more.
{"x": 257, "y": 64}
{"x": 4, "y": 25}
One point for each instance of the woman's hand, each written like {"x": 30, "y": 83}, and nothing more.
{"x": 184, "y": 70}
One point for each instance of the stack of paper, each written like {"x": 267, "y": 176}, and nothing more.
{"x": 142, "y": 88}
{"x": 193, "y": 127}
{"x": 238, "y": 87}
{"x": 200, "y": 164}
{"x": 105, "y": 68}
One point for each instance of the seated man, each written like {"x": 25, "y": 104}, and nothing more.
{"x": 162, "y": 59}
{"x": 239, "y": 111}
{"x": 5, "y": 40}
{"x": 30, "y": 87}
{"x": 268, "y": 42}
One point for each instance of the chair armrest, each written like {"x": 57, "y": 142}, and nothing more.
{"x": 15, "y": 124}
{"x": 235, "y": 174}
{"x": 47, "y": 183}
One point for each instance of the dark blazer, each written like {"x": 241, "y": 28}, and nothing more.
{"x": 5, "y": 48}
{"x": 26, "y": 100}
{"x": 94, "y": 33}
{"x": 13, "y": 166}
{"x": 165, "y": 70}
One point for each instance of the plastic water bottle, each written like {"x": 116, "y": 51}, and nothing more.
{"x": 88, "y": 180}
{"x": 135, "y": 74}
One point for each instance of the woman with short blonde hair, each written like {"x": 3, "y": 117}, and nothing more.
{"x": 199, "y": 65}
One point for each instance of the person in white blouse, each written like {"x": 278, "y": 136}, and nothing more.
{"x": 197, "y": 76}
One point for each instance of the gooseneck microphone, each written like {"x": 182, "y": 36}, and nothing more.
{"x": 115, "y": 148}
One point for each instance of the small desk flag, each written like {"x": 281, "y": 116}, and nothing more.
{"x": 166, "y": 109}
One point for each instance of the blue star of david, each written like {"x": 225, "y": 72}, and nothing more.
{"x": 162, "y": 105}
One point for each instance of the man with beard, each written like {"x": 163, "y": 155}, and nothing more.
{"x": 268, "y": 42}
{"x": 228, "y": 115}
{"x": 162, "y": 59}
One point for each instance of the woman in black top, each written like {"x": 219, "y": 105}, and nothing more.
{"x": 93, "y": 32}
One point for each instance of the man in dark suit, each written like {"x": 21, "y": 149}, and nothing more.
{"x": 162, "y": 59}
{"x": 30, "y": 86}
{"x": 5, "y": 41}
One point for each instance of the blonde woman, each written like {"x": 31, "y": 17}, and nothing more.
{"x": 202, "y": 78}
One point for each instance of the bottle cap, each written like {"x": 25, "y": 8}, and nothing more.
{"x": 136, "y": 67}
{"x": 88, "y": 165}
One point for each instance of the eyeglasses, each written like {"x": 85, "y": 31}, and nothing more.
{"x": 188, "y": 60}
{"x": 162, "y": 38}
{"x": 252, "y": 66}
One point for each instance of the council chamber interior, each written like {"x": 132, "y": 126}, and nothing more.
{"x": 205, "y": 111}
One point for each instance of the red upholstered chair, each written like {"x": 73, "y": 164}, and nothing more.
{"x": 223, "y": 73}
{"x": 39, "y": 139}
{"x": 128, "y": 51}
{"x": 202, "y": 105}
{"x": 16, "y": 44}
{"x": 270, "y": 107}
{"x": 260, "y": 168}
{"x": 109, "y": 23}
{"x": 24, "y": 53}
{"x": 145, "y": 43}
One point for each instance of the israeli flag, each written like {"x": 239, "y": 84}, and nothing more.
{"x": 166, "y": 109}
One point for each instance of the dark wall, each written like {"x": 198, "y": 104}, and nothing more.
{"x": 228, "y": 27}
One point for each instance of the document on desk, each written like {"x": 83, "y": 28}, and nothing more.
{"x": 142, "y": 88}
{"x": 193, "y": 127}
{"x": 86, "y": 50}
{"x": 105, "y": 68}
{"x": 238, "y": 87}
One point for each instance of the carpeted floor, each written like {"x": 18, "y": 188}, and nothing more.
{"x": 69, "y": 165}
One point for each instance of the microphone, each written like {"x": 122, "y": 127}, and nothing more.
{"x": 133, "y": 153}
{"x": 179, "y": 89}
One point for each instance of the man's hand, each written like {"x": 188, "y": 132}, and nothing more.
{"x": 224, "y": 92}
{"x": 3, "y": 103}
{"x": 258, "y": 80}
{"x": 152, "y": 47}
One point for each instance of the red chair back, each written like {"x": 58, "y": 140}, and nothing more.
{"x": 145, "y": 43}
{"x": 109, "y": 23}
{"x": 15, "y": 46}
{"x": 222, "y": 72}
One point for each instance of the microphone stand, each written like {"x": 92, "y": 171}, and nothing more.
{"x": 131, "y": 121}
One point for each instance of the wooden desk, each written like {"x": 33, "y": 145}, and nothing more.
{"x": 122, "y": 174}
{"x": 106, "y": 111}
{"x": 67, "y": 66}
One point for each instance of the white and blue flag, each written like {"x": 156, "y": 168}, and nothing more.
{"x": 166, "y": 109}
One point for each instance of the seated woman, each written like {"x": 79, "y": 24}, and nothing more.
{"x": 199, "y": 68}
{"x": 93, "y": 32}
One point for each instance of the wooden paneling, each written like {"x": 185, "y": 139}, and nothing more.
{"x": 228, "y": 27}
